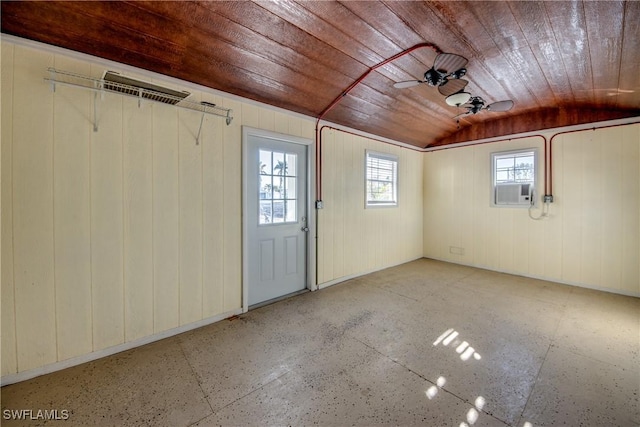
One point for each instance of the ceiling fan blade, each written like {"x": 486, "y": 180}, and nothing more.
{"x": 500, "y": 106}
{"x": 461, "y": 114}
{"x": 449, "y": 62}
{"x": 452, "y": 86}
{"x": 408, "y": 83}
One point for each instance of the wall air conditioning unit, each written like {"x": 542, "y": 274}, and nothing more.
{"x": 116, "y": 82}
{"x": 513, "y": 194}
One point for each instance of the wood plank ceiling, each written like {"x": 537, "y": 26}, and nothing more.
{"x": 562, "y": 63}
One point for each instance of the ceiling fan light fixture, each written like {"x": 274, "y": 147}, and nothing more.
{"x": 457, "y": 99}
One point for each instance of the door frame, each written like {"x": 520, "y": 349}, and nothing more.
{"x": 312, "y": 237}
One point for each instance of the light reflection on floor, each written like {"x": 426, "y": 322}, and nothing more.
{"x": 463, "y": 348}
{"x": 433, "y": 390}
{"x": 465, "y": 351}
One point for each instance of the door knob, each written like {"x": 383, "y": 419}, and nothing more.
{"x": 305, "y": 229}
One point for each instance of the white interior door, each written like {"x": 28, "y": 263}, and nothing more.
{"x": 276, "y": 217}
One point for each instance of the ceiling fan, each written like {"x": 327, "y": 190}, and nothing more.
{"x": 477, "y": 104}
{"x": 446, "y": 74}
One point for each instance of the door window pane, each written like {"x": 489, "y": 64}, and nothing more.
{"x": 277, "y": 191}
{"x": 291, "y": 211}
{"x": 291, "y": 165}
{"x": 278, "y": 211}
{"x": 265, "y": 162}
{"x": 290, "y": 188}
{"x": 266, "y": 187}
{"x": 265, "y": 212}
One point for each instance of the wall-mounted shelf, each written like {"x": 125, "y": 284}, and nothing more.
{"x": 142, "y": 91}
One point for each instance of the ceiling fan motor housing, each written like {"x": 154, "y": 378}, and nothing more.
{"x": 434, "y": 78}
{"x": 476, "y": 104}
{"x": 459, "y": 74}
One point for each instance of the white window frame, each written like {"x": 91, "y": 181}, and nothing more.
{"x": 533, "y": 192}
{"x": 394, "y": 181}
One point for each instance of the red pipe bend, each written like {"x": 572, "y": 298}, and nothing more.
{"x": 342, "y": 95}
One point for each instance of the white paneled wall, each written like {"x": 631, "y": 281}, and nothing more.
{"x": 601, "y": 183}
{"x": 592, "y": 237}
{"x": 351, "y": 239}
{"x": 113, "y": 236}
{"x": 104, "y": 233}
{"x": 120, "y": 235}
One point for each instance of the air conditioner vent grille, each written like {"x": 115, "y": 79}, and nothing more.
{"x": 513, "y": 194}
{"x": 118, "y": 83}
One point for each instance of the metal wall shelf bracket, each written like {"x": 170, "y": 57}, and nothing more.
{"x": 100, "y": 86}
{"x": 199, "y": 130}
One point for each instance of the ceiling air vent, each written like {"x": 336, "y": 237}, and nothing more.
{"x": 116, "y": 82}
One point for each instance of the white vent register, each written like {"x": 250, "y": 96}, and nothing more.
{"x": 143, "y": 91}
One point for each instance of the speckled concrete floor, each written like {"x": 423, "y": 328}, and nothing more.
{"x": 425, "y": 343}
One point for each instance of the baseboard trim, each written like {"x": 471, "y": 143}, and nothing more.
{"x": 548, "y": 279}
{"x": 78, "y": 360}
{"x": 363, "y": 273}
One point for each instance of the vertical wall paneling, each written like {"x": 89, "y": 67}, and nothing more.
{"x": 232, "y": 194}
{"x": 8, "y": 323}
{"x": 190, "y": 218}
{"x": 338, "y": 210}
{"x": 213, "y": 215}
{"x": 138, "y": 218}
{"x": 630, "y": 189}
{"x": 552, "y": 245}
{"x": 107, "y": 225}
{"x": 353, "y": 239}
{"x": 250, "y": 115}
{"x": 351, "y": 221}
{"x": 266, "y": 119}
{"x": 295, "y": 126}
{"x": 33, "y": 246}
{"x": 325, "y": 216}
{"x": 281, "y": 123}
{"x": 572, "y": 195}
{"x": 534, "y": 240}
{"x": 484, "y": 227}
{"x": 610, "y": 205}
{"x": 592, "y": 233}
{"x": 593, "y": 205}
{"x": 166, "y": 218}
{"x": 71, "y": 213}
{"x": 119, "y": 234}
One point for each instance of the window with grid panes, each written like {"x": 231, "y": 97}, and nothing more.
{"x": 513, "y": 177}
{"x": 381, "y": 174}
{"x": 278, "y": 187}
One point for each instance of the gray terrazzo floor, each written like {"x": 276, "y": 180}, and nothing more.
{"x": 425, "y": 343}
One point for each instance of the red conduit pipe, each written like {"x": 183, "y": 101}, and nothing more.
{"x": 573, "y": 131}
{"x": 323, "y": 127}
{"x": 548, "y": 153}
{"x": 342, "y": 95}
{"x": 547, "y": 160}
